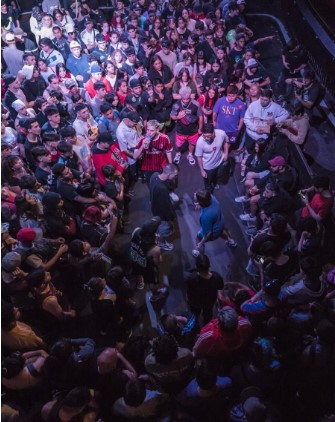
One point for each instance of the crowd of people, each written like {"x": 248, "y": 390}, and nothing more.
{"x": 92, "y": 103}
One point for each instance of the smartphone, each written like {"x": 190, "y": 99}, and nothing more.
{"x": 259, "y": 259}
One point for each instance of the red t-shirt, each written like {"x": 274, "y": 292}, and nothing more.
{"x": 201, "y": 101}
{"x": 91, "y": 91}
{"x": 214, "y": 343}
{"x": 154, "y": 158}
{"x": 320, "y": 205}
{"x": 122, "y": 97}
{"x": 100, "y": 158}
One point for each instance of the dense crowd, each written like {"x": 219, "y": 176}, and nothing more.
{"x": 93, "y": 102}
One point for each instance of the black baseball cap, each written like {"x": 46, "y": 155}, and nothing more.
{"x": 105, "y": 138}
{"x": 134, "y": 83}
{"x": 132, "y": 100}
{"x": 133, "y": 116}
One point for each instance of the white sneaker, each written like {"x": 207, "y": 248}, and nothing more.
{"x": 177, "y": 157}
{"x": 195, "y": 253}
{"x": 247, "y": 217}
{"x": 174, "y": 197}
{"x": 191, "y": 159}
{"x": 241, "y": 199}
{"x": 165, "y": 246}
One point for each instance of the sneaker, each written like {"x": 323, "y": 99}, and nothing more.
{"x": 251, "y": 231}
{"x": 159, "y": 294}
{"x": 195, "y": 253}
{"x": 174, "y": 197}
{"x": 241, "y": 199}
{"x": 165, "y": 246}
{"x": 177, "y": 157}
{"x": 140, "y": 283}
{"x": 216, "y": 187}
{"x": 231, "y": 243}
{"x": 247, "y": 217}
{"x": 191, "y": 159}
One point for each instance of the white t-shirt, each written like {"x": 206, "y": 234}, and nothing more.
{"x": 127, "y": 138}
{"x": 83, "y": 152}
{"x": 211, "y": 153}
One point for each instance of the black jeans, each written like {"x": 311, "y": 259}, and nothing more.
{"x": 211, "y": 180}
{"x": 207, "y": 313}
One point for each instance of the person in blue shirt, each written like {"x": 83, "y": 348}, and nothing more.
{"x": 211, "y": 221}
{"x": 77, "y": 62}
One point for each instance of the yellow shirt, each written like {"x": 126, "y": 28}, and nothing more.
{"x": 21, "y": 337}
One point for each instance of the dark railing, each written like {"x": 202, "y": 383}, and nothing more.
{"x": 319, "y": 44}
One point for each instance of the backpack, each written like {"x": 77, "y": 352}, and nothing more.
{"x": 42, "y": 248}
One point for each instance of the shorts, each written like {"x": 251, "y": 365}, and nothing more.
{"x": 181, "y": 139}
{"x": 213, "y": 236}
{"x": 232, "y": 137}
{"x": 165, "y": 229}
{"x": 251, "y": 268}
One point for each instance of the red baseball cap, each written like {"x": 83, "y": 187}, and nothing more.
{"x": 277, "y": 161}
{"x": 26, "y": 235}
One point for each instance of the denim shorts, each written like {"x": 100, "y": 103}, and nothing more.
{"x": 251, "y": 268}
{"x": 165, "y": 229}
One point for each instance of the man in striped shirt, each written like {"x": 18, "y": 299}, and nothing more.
{"x": 224, "y": 337}
{"x": 155, "y": 149}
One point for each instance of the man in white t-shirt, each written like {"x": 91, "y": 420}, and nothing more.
{"x": 127, "y": 135}
{"x": 209, "y": 153}
{"x": 84, "y": 121}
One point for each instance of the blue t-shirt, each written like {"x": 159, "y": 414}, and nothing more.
{"x": 228, "y": 114}
{"x": 211, "y": 219}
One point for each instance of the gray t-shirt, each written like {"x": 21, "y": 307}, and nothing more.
{"x": 211, "y": 153}
{"x": 298, "y": 293}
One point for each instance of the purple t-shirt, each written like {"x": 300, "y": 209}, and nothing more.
{"x": 228, "y": 114}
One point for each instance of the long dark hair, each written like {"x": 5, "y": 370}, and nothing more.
{"x": 215, "y": 60}
{"x": 155, "y": 58}
{"x": 216, "y": 96}
{"x": 184, "y": 70}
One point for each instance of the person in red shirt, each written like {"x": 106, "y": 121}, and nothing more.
{"x": 122, "y": 91}
{"x": 321, "y": 204}
{"x": 107, "y": 151}
{"x": 155, "y": 148}
{"x": 224, "y": 337}
{"x": 96, "y": 76}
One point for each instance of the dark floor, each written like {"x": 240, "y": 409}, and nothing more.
{"x": 230, "y": 263}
